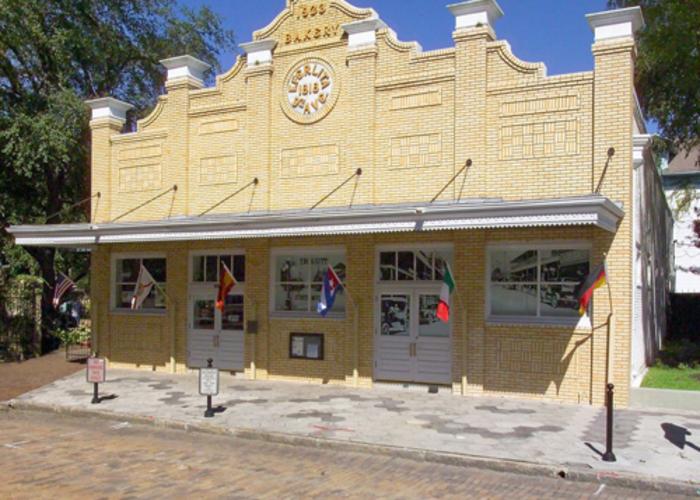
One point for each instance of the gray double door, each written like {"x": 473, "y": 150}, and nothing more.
{"x": 411, "y": 343}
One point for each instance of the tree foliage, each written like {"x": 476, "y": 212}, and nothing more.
{"x": 668, "y": 67}
{"x": 55, "y": 54}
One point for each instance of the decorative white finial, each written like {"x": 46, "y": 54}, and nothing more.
{"x": 109, "y": 107}
{"x": 259, "y": 52}
{"x": 475, "y": 12}
{"x": 620, "y": 23}
{"x": 186, "y": 68}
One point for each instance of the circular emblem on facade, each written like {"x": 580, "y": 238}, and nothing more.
{"x": 310, "y": 92}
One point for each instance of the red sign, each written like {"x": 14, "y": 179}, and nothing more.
{"x": 96, "y": 370}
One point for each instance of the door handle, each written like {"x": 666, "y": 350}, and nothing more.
{"x": 216, "y": 341}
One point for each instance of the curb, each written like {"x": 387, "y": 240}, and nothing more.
{"x": 572, "y": 473}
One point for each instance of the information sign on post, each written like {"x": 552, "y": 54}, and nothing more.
{"x": 96, "y": 373}
{"x": 209, "y": 385}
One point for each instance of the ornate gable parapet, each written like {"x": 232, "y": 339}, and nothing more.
{"x": 306, "y": 23}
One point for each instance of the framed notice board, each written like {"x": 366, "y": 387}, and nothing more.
{"x": 306, "y": 346}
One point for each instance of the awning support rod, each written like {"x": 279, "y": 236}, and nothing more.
{"x": 357, "y": 173}
{"x": 81, "y": 202}
{"x": 454, "y": 177}
{"x": 253, "y": 182}
{"x": 174, "y": 189}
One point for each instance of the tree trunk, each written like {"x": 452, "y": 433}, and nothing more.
{"x": 45, "y": 257}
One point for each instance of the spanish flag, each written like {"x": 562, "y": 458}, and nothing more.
{"x": 594, "y": 280}
{"x": 226, "y": 282}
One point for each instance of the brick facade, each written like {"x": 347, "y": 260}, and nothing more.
{"x": 410, "y": 120}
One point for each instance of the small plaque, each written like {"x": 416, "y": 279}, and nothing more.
{"x": 96, "y": 372}
{"x": 306, "y": 346}
{"x": 208, "y": 381}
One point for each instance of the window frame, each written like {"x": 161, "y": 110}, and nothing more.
{"x": 322, "y": 251}
{"x": 114, "y": 308}
{"x": 538, "y": 319}
{"x": 213, "y": 253}
{"x": 445, "y": 247}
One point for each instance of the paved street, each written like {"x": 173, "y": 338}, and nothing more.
{"x": 43, "y": 455}
{"x": 649, "y": 444}
{"x": 17, "y": 378}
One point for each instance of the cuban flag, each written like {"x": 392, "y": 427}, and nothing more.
{"x": 331, "y": 285}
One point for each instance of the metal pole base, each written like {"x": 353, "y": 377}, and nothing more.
{"x": 209, "y": 412}
{"x": 95, "y": 396}
{"x": 609, "y": 456}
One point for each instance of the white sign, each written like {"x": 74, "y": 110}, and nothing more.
{"x": 310, "y": 91}
{"x": 208, "y": 381}
{"x": 96, "y": 372}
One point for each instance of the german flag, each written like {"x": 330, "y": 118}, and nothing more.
{"x": 594, "y": 280}
{"x": 226, "y": 282}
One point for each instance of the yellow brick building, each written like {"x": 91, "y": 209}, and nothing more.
{"x": 331, "y": 142}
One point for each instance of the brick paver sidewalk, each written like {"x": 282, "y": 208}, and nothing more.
{"x": 648, "y": 444}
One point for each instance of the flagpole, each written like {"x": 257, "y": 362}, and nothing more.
{"x": 463, "y": 309}
{"x": 355, "y": 340}
{"x": 173, "y": 318}
{"x": 611, "y": 325}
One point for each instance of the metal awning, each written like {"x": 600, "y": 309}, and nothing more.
{"x": 590, "y": 210}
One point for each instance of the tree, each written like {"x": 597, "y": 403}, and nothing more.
{"x": 668, "y": 67}
{"x": 55, "y": 54}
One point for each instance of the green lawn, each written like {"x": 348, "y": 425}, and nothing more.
{"x": 666, "y": 377}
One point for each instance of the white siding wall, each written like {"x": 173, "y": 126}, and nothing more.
{"x": 653, "y": 265}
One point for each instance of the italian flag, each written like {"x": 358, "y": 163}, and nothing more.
{"x": 448, "y": 286}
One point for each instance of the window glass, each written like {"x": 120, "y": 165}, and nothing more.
{"x": 564, "y": 265}
{"x": 203, "y": 314}
{"x": 406, "y": 266}
{"x": 424, "y": 266}
{"x": 298, "y": 280}
{"x": 429, "y": 325}
{"x": 198, "y": 268}
{"x": 387, "y": 266}
{"x": 207, "y": 268}
{"x": 514, "y": 266}
{"x": 536, "y": 282}
{"x": 396, "y": 314}
{"x": 558, "y": 301}
{"x": 239, "y": 267}
{"x": 127, "y": 271}
{"x": 212, "y": 271}
{"x": 232, "y": 316}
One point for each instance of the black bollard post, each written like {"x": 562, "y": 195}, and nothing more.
{"x": 209, "y": 412}
{"x": 609, "y": 456}
{"x": 95, "y": 394}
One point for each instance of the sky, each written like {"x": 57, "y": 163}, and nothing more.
{"x": 554, "y": 32}
{"x": 551, "y": 31}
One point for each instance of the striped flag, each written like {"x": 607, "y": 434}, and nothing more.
{"x": 448, "y": 286}
{"x": 63, "y": 285}
{"x": 144, "y": 285}
{"x": 226, "y": 283}
{"x": 594, "y": 280}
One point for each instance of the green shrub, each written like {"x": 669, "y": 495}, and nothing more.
{"x": 73, "y": 336}
{"x": 683, "y": 352}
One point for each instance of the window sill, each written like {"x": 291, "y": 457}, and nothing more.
{"x": 582, "y": 323}
{"x": 276, "y": 315}
{"x": 142, "y": 312}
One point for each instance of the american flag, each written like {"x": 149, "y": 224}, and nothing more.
{"x": 63, "y": 285}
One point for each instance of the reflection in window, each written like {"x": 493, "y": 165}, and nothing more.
{"x": 206, "y": 269}
{"x": 396, "y": 314}
{"x": 536, "y": 283}
{"x": 127, "y": 272}
{"x": 410, "y": 265}
{"x": 298, "y": 279}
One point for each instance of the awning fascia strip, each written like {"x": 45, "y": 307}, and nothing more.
{"x": 590, "y": 210}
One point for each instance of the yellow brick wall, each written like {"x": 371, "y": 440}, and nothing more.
{"x": 410, "y": 120}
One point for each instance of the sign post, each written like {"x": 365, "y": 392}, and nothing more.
{"x": 209, "y": 385}
{"x": 96, "y": 374}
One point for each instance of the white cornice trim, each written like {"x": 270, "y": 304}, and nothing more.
{"x": 259, "y": 52}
